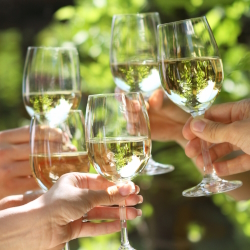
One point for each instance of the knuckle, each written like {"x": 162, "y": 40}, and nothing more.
{"x": 5, "y": 172}
{"x": 213, "y": 129}
{"x": 111, "y": 194}
{"x": 243, "y": 111}
{"x": 4, "y": 152}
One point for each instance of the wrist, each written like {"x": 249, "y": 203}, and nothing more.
{"x": 22, "y": 227}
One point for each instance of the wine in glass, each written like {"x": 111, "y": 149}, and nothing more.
{"x": 58, "y": 149}
{"x": 191, "y": 73}
{"x": 133, "y": 61}
{"x": 51, "y": 81}
{"x": 118, "y": 141}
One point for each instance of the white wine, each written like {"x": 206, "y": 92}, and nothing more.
{"x": 47, "y": 169}
{"x": 121, "y": 158}
{"x": 37, "y": 102}
{"x": 192, "y": 83}
{"x": 137, "y": 77}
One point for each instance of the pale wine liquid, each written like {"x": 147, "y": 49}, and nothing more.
{"x": 192, "y": 84}
{"x": 47, "y": 169}
{"x": 119, "y": 159}
{"x": 134, "y": 77}
{"x": 36, "y": 102}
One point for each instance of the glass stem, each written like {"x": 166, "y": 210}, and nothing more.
{"x": 209, "y": 171}
{"x": 124, "y": 232}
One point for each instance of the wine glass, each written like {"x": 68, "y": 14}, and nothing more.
{"x": 133, "y": 61}
{"x": 191, "y": 73}
{"x": 118, "y": 141}
{"x": 58, "y": 149}
{"x": 51, "y": 81}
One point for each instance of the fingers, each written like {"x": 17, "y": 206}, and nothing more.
{"x": 217, "y": 152}
{"x": 44, "y": 132}
{"x": 111, "y": 196}
{"x": 90, "y": 181}
{"x": 15, "y": 136}
{"x": 193, "y": 149}
{"x": 112, "y": 213}
{"x": 234, "y": 166}
{"x": 32, "y": 195}
{"x": 19, "y": 169}
{"x": 156, "y": 99}
{"x": 11, "y": 201}
{"x": 18, "y": 152}
{"x": 229, "y": 112}
{"x": 186, "y": 130}
{"x": 90, "y": 229}
{"x": 19, "y": 200}
{"x": 21, "y": 185}
{"x": 216, "y": 132}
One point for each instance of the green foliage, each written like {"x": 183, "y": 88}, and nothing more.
{"x": 101, "y": 243}
{"x": 10, "y": 77}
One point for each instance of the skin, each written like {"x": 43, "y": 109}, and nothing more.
{"x": 15, "y": 171}
{"x": 56, "y": 216}
{"x": 226, "y": 128}
{"x": 166, "y": 119}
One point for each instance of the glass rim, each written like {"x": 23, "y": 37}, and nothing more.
{"x": 162, "y": 25}
{"x": 51, "y": 48}
{"x": 137, "y": 14}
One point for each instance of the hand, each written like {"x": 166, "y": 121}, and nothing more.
{"x": 166, "y": 119}
{"x": 15, "y": 170}
{"x": 56, "y": 217}
{"x": 227, "y": 125}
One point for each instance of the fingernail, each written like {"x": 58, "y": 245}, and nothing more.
{"x": 137, "y": 189}
{"x": 127, "y": 189}
{"x": 140, "y": 199}
{"x": 198, "y": 125}
{"x": 139, "y": 212}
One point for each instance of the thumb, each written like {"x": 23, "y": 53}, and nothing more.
{"x": 210, "y": 131}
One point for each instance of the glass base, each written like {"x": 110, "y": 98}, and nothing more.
{"x": 211, "y": 185}
{"x": 155, "y": 168}
{"x": 126, "y": 247}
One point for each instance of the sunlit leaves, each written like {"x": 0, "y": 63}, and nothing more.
{"x": 65, "y": 13}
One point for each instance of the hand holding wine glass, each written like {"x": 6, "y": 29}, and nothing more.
{"x": 226, "y": 127}
{"x": 56, "y": 216}
{"x": 118, "y": 140}
{"x": 191, "y": 74}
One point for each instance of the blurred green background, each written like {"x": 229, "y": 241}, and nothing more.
{"x": 169, "y": 220}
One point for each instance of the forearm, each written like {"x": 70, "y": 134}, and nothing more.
{"x": 21, "y": 227}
